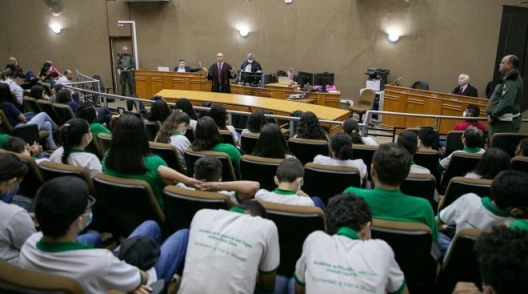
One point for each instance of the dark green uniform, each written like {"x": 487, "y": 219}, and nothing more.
{"x": 127, "y": 76}
{"x": 504, "y": 103}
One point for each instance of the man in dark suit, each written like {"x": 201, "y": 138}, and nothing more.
{"x": 183, "y": 68}
{"x": 219, "y": 74}
{"x": 251, "y": 65}
{"x": 464, "y": 88}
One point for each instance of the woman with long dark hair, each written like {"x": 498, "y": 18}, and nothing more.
{"x": 38, "y": 92}
{"x": 310, "y": 128}
{"x": 186, "y": 106}
{"x": 219, "y": 114}
{"x": 173, "y": 132}
{"x": 271, "y": 143}
{"x": 493, "y": 161}
{"x": 207, "y": 137}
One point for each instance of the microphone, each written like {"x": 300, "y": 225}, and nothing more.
{"x": 397, "y": 80}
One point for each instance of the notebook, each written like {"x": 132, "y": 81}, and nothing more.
{"x": 163, "y": 68}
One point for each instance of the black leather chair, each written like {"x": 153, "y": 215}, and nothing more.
{"x": 421, "y": 185}
{"x": 453, "y": 142}
{"x": 335, "y": 178}
{"x": 30, "y": 104}
{"x": 152, "y": 129}
{"x": 365, "y": 152}
{"x": 507, "y": 141}
{"x": 169, "y": 153}
{"x": 248, "y": 142}
{"x": 47, "y": 107}
{"x": 228, "y": 171}
{"x": 306, "y": 149}
{"x": 50, "y": 170}
{"x": 63, "y": 111}
{"x": 459, "y": 186}
{"x": 104, "y": 141}
{"x": 228, "y": 138}
{"x": 428, "y": 158}
{"x": 520, "y": 163}
{"x": 461, "y": 163}
{"x": 259, "y": 169}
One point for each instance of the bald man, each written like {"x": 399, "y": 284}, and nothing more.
{"x": 126, "y": 65}
{"x": 464, "y": 88}
{"x": 12, "y": 63}
{"x": 219, "y": 75}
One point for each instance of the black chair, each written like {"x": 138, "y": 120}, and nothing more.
{"x": 421, "y": 185}
{"x": 248, "y": 142}
{"x": 127, "y": 202}
{"x": 104, "y": 141}
{"x": 63, "y": 111}
{"x": 95, "y": 148}
{"x": 453, "y": 142}
{"x": 306, "y": 149}
{"x": 50, "y": 170}
{"x": 461, "y": 163}
{"x": 411, "y": 243}
{"x": 228, "y": 171}
{"x": 459, "y": 186}
{"x": 294, "y": 224}
{"x": 228, "y": 138}
{"x": 335, "y": 178}
{"x": 27, "y": 132}
{"x": 152, "y": 129}
{"x": 365, "y": 152}
{"x": 181, "y": 204}
{"x": 428, "y": 158}
{"x": 422, "y": 85}
{"x": 47, "y": 107}
{"x": 460, "y": 264}
{"x": 259, "y": 169}
{"x": 32, "y": 180}
{"x": 507, "y": 141}
{"x": 169, "y": 153}
{"x": 520, "y": 163}
{"x": 30, "y": 104}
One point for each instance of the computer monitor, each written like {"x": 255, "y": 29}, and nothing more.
{"x": 250, "y": 78}
{"x": 305, "y": 78}
{"x": 324, "y": 79}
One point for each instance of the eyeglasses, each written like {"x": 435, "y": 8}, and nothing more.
{"x": 91, "y": 202}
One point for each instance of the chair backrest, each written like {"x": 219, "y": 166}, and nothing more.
{"x": 63, "y": 111}
{"x": 50, "y": 170}
{"x": 421, "y": 185}
{"x": 453, "y": 142}
{"x": 181, "y": 204}
{"x": 366, "y": 98}
{"x": 259, "y": 169}
{"x": 95, "y": 148}
{"x": 228, "y": 138}
{"x": 306, "y": 149}
{"x": 104, "y": 141}
{"x": 5, "y": 125}
{"x": 169, "y": 153}
{"x": 520, "y": 163}
{"x": 228, "y": 172}
{"x": 461, "y": 163}
{"x": 47, "y": 107}
{"x": 28, "y": 132}
{"x": 248, "y": 142}
{"x": 128, "y": 203}
{"x": 30, "y": 104}
{"x": 32, "y": 180}
{"x": 411, "y": 243}
{"x": 152, "y": 128}
{"x": 507, "y": 141}
{"x": 422, "y": 85}
{"x": 294, "y": 224}
{"x": 335, "y": 178}
{"x": 460, "y": 264}
{"x": 14, "y": 279}
{"x": 365, "y": 152}
{"x": 428, "y": 158}
{"x": 459, "y": 186}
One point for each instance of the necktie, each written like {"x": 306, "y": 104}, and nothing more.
{"x": 220, "y": 72}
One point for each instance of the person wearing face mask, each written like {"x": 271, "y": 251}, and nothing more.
{"x": 251, "y": 65}
{"x": 76, "y": 135}
{"x": 471, "y": 111}
{"x": 173, "y": 132}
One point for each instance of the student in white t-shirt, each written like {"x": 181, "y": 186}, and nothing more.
{"x": 173, "y": 131}
{"x": 351, "y": 127}
{"x": 289, "y": 179}
{"x": 364, "y": 265}
{"x": 341, "y": 149}
{"x": 409, "y": 141}
{"x": 472, "y": 139}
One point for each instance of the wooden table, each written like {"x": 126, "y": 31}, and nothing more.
{"x": 251, "y": 103}
{"x": 149, "y": 82}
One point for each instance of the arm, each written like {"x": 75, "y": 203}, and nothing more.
{"x": 267, "y": 281}
{"x": 245, "y": 189}
{"x": 466, "y": 288}
{"x": 210, "y": 73}
{"x": 506, "y": 100}
{"x": 170, "y": 176}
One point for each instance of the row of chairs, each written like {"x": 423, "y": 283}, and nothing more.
{"x": 59, "y": 113}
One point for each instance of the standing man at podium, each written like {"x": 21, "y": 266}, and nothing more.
{"x": 126, "y": 66}
{"x": 219, "y": 74}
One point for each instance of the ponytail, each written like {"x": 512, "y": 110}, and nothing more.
{"x": 71, "y": 134}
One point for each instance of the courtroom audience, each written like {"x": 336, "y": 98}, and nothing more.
{"x": 255, "y": 122}
{"x": 472, "y": 140}
{"x": 522, "y": 148}
{"x": 493, "y": 161}
{"x": 19, "y": 146}
{"x": 409, "y": 141}
{"x": 207, "y": 138}
{"x": 38, "y": 92}
{"x": 310, "y": 128}
{"x": 64, "y": 96}
{"x": 271, "y": 143}
{"x": 173, "y": 131}
{"x": 159, "y": 111}
{"x": 219, "y": 114}
{"x": 351, "y": 127}
{"x": 95, "y": 117}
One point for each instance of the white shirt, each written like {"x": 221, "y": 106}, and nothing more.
{"x": 473, "y": 175}
{"x": 284, "y": 197}
{"x": 357, "y": 163}
{"x": 234, "y": 132}
{"x": 15, "y": 227}
{"x": 63, "y": 80}
{"x": 248, "y": 67}
{"x": 445, "y": 162}
{"x": 181, "y": 69}
{"x": 16, "y": 90}
{"x": 181, "y": 143}
{"x": 339, "y": 264}
{"x": 79, "y": 158}
{"x": 418, "y": 169}
{"x": 369, "y": 141}
{"x": 226, "y": 250}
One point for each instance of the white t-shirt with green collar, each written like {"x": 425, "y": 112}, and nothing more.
{"x": 79, "y": 158}
{"x": 283, "y": 197}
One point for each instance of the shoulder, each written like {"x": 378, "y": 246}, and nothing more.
{"x": 154, "y": 160}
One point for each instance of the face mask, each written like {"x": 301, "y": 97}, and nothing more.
{"x": 89, "y": 221}
{"x": 464, "y": 114}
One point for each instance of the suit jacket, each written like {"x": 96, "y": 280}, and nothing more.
{"x": 255, "y": 66}
{"x": 188, "y": 69}
{"x": 469, "y": 91}
{"x": 220, "y": 84}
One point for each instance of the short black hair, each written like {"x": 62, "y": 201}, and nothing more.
{"x": 289, "y": 170}
{"x": 346, "y": 210}
{"x": 428, "y": 136}
{"x": 473, "y": 110}
{"x": 509, "y": 189}
{"x": 14, "y": 144}
{"x": 501, "y": 255}
{"x": 181, "y": 60}
{"x": 17, "y": 74}
{"x": 87, "y": 111}
{"x": 11, "y": 167}
{"x": 523, "y": 145}
{"x": 254, "y": 208}
{"x": 341, "y": 145}
{"x": 392, "y": 163}
{"x": 473, "y": 137}
{"x": 493, "y": 161}
{"x": 409, "y": 141}
{"x": 208, "y": 168}
{"x": 219, "y": 114}
{"x": 58, "y": 203}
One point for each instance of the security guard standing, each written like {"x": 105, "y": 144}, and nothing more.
{"x": 126, "y": 65}
{"x": 503, "y": 108}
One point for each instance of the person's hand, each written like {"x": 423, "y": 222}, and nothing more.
{"x": 192, "y": 182}
{"x": 35, "y": 149}
{"x": 442, "y": 227}
{"x": 466, "y": 288}
{"x": 490, "y": 120}
{"x": 205, "y": 69}
{"x": 207, "y": 186}
{"x": 142, "y": 289}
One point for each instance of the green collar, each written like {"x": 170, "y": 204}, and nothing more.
{"x": 53, "y": 247}
{"x": 348, "y": 232}
{"x": 175, "y": 133}
{"x": 254, "y": 131}
{"x": 394, "y": 193}
{"x": 471, "y": 150}
{"x": 237, "y": 210}
{"x": 412, "y": 162}
{"x": 521, "y": 224}
{"x": 486, "y": 202}
{"x": 284, "y": 192}
{"x": 77, "y": 151}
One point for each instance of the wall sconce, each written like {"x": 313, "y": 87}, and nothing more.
{"x": 122, "y": 23}
{"x": 393, "y": 37}
{"x": 243, "y": 32}
{"x": 55, "y": 27}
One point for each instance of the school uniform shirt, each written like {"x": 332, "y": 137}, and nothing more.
{"x": 369, "y": 141}
{"x": 233, "y": 195}
{"x": 226, "y": 250}
{"x": 181, "y": 143}
{"x": 98, "y": 128}
{"x": 473, "y": 175}
{"x": 96, "y": 270}
{"x": 284, "y": 197}
{"x": 357, "y": 163}
{"x": 15, "y": 227}
{"x": 418, "y": 169}
{"x": 445, "y": 162}
{"x": 343, "y": 263}
{"x": 521, "y": 224}
{"x": 396, "y": 206}
{"x": 79, "y": 158}
{"x": 230, "y": 150}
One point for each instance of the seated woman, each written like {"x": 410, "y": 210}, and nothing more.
{"x": 173, "y": 132}
{"x": 351, "y": 127}
{"x": 64, "y": 96}
{"x": 186, "y": 106}
{"x": 207, "y": 138}
{"x": 76, "y": 135}
{"x": 310, "y": 128}
{"x": 271, "y": 143}
{"x": 38, "y": 92}
{"x": 159, "y": 111}
{"x": 130, "y": 157}
{"x": 255, "y": 122}
{"x": 15, "y": 117}
{"x": 493, "y": 161}
{"x": 341, "y": 150}
{"x": 522, "y": 148}
{"x": 219, "y": 115}
{"x": 95, "y": 117}
{"x": 19, "y": 146}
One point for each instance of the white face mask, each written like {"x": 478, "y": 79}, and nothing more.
{"x": 464, "y": 114}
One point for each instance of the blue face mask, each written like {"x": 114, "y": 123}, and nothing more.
{"x": 89, "y": 221}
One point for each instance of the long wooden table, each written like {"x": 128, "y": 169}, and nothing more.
{"x": 149, "y": 82}
{"x": 409, "y": 100}
{"x": 251, "y": 103}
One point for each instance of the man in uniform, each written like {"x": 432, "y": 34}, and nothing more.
{"x": 126, "y": 65}
{"x": 503, "y": 108}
